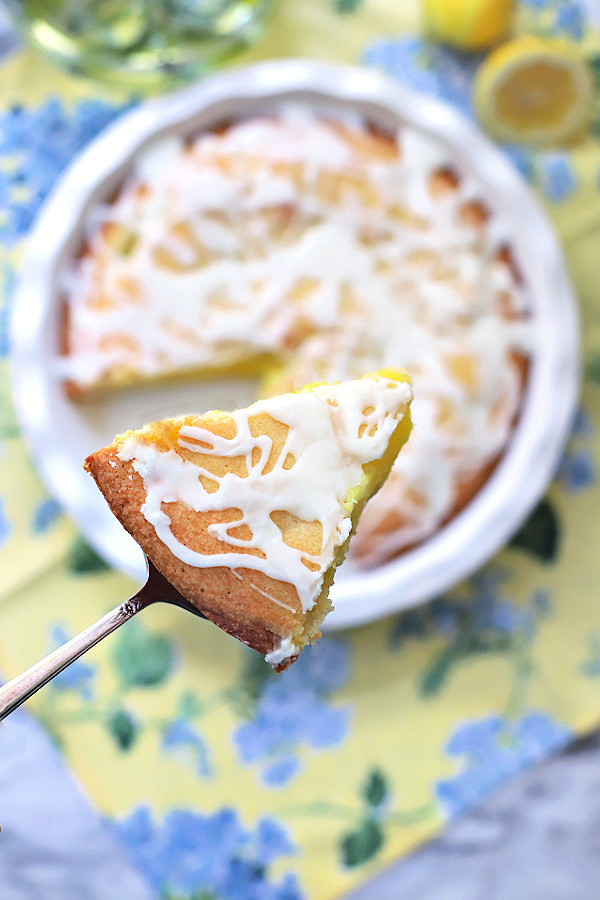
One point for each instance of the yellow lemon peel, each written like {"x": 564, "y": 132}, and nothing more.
{"x": 468, "y": 24}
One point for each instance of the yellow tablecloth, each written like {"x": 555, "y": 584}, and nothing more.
{"x": 222, "y": 779}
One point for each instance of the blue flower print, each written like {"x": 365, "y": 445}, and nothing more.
{"x": 455, "y": 73}
{"x": 582, "y": 424}
{"x": 294, "y": 710}
{"x": 429, "y": 68}
{"x": 571, "y": 18}
{"x": 577, "y": 471}
{"x": 482, "y": 609}
{"x": 46, "y": 514}
{"x": 558, "y": 178}
{"x": 591, "y": 666}
{"x": 8, "y": 280}
{"x": 190, "y": 854}
{"x": 492, "y": 611}
{"x": 478, "y": 621}
{"x": 404, "y": 60}
{"x": 4, "y": 525}
{"x": 181, "y": 736}
{"x": 493, "y": 750}
{"x": 35, "y": 147}
{"x": 78, "y": 676}
{"x": 521, "y": 159}
{"x": 281, "y": 770}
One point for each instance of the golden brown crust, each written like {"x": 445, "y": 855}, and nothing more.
{"x": 235, "y": 601}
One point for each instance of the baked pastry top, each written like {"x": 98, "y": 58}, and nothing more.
{"x": 249, "y": 513}
{"x": 298, "y": 248}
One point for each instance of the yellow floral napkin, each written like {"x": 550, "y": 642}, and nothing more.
{"x": 220, "y": 778}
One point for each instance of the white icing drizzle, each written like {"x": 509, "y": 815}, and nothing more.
{"x": 329, "y": 448}
{"x": 283, "y": 650}
{"x": 288, "y": 235}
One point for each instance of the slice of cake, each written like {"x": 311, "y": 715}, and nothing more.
{"x": 248, "y": 513}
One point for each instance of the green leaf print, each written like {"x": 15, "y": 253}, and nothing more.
{"x": 359, "y": 846}
{"x": 346, "y": 6}
{"x": 591, "y": 666}
{"x": 190, "y": 706}
{"x": 540, "y": 535}
{"x": 594, "y": 64}
{"x": 368, "y": 820}
{"x": 123, "y": 729}
{"x": 435, "y": 676}
{"x": 465, "y": 644}
{"x": 8, "y": 422}
{"x": 247, "y": 692}
{"x": 592, "y": 366}
{"x": 83, "y": 560}
{"x": 375, "y": 790}
{"x": 142, "y": 658}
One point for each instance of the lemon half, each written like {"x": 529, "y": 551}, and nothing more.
{"x": 533, "y": 91}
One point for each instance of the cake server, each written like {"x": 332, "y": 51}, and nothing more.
{"x": 156, "y": 590}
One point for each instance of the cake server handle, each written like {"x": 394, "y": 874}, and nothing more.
{"x": 156, "y": 588}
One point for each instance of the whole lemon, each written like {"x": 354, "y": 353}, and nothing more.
{"x": 467, "y": 24}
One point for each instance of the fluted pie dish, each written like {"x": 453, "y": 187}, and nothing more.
{"x": 294, "y": 222}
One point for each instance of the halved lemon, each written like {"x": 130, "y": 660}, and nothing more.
{"x": 533, "y": 91}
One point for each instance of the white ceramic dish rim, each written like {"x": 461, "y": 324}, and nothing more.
{"x": 535, "y": 449}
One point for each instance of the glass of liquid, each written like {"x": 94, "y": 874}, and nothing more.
{"x": 144, "y": 41}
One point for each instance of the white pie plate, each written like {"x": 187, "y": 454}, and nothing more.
{"x": 61, "y": 434}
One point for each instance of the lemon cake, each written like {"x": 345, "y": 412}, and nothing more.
{"x": 296, "y": 248}
{"x": 248, "y": 513}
